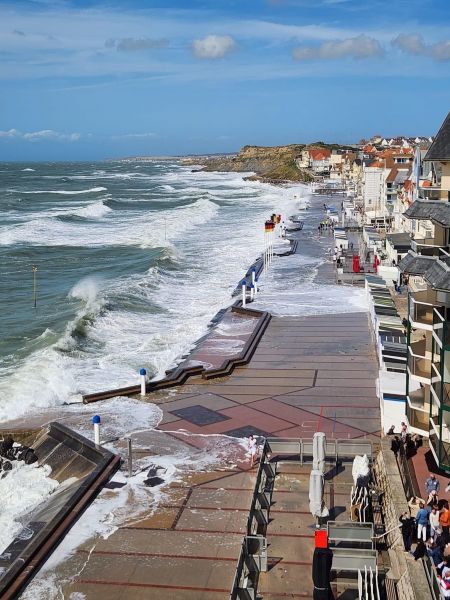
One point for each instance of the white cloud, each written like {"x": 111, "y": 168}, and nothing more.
{"x": 412, "y": 43}
{"x": 11, "y": 133}
{"x": 213, "y": 46}
{"x": 43, "y": 134}
{"x": 149, "y": 134}
{"x": 361, "y": 46}
{"x": 135, "y": 44}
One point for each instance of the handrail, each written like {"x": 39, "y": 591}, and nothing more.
{"x": 420, "y": 301}
{"x": 441, "y": 318}
{"x": 249, "y": 565}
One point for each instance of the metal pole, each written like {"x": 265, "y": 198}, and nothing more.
{"x": 34, "y": 270}
{"x": 142, "y": 376}
{"x": 265, "y": 252}
{"x": 130, "y": 456}
{"x": 244, "y": 292}
{"x": 96, "y": 423}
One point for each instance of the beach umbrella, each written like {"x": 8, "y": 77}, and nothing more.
{"x": 319, "y": 451}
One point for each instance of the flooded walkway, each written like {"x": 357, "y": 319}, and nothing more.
{"x": 307, "y": 374}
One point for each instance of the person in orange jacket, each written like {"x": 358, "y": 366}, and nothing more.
{"x": 444, "y": 520}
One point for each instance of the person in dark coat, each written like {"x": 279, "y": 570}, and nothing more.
{"x": 395, "y": 445}
{"x": 420, "y": 550}
{"x": 408, "y": 525}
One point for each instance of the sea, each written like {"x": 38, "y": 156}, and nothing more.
{"x": 110, "y": 267}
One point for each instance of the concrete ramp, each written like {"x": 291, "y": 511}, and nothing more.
{"x": 82, "y": 468}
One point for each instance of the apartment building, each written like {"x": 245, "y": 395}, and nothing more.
{"x": 428, "y": 264}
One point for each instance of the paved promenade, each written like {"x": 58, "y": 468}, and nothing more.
{"x": 307, "y": 374}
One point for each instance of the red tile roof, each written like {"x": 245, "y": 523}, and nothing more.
{"x": 319, "y": 153}
{"x": 392, "y": 175}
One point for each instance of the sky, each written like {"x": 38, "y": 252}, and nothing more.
{"x": 88, "y": 80}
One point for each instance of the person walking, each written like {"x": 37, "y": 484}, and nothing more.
{"x": 422, "y": 522}
{"x": 432, "y": 484}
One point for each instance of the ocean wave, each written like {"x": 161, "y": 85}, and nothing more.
{"x": 88, "y": 290}
{"x": 96, "y": 210}
{"x": 28, "y": 169}
{"x": 62, "y": 192}
{"x": 102, "y": 175}
{"x": 147, "y": 230}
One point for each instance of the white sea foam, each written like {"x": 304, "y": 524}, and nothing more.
{"x": 62, "y": 192}
{"x": 96, "y": 210}
{"x": 285, "y": 294}
{"x": 129, "y": 503}
{"x": 150, "y": 230}
{"x": 28, "y": 169}
{"x": 21, "y": 490}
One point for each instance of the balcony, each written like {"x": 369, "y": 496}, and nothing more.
{"x": 440, "y": 440}
{"x": 418, "y": 410}
{"x": 430, "y": 193}
{"x": 425, "y": 246}
{"x": 417, "y": 419}
{"x": 421, "y": 310}
{"x": 419, "y": 366}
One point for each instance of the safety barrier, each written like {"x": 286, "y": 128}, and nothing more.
{"x": 336, "y": 450}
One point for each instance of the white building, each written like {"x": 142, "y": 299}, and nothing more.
{"x": 374, "y": 197}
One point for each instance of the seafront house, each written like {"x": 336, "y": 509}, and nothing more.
{"x": 428, "y": 265}
{"x": 374, "y": 194}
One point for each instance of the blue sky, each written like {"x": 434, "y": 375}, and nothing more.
{"x": 91, "y": 80}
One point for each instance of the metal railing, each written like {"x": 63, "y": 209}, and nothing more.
{"x": 336, "y": 450}
{"x": 253, "y": 554}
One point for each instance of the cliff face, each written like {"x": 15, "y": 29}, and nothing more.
{"x": 274, "y": 163}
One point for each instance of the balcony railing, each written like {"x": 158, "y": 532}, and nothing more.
{"x": 419, "y": 367}
{"x": 421, "y": 305}
{"x": 421, "y": 313}
{"x": 440, "y": 393}
{"x": 440, "y": 447}
{"x": 418, "y": 419}
{"x": 425, "y": 246}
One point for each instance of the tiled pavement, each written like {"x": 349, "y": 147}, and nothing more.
{"x": 307, "y": 374}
